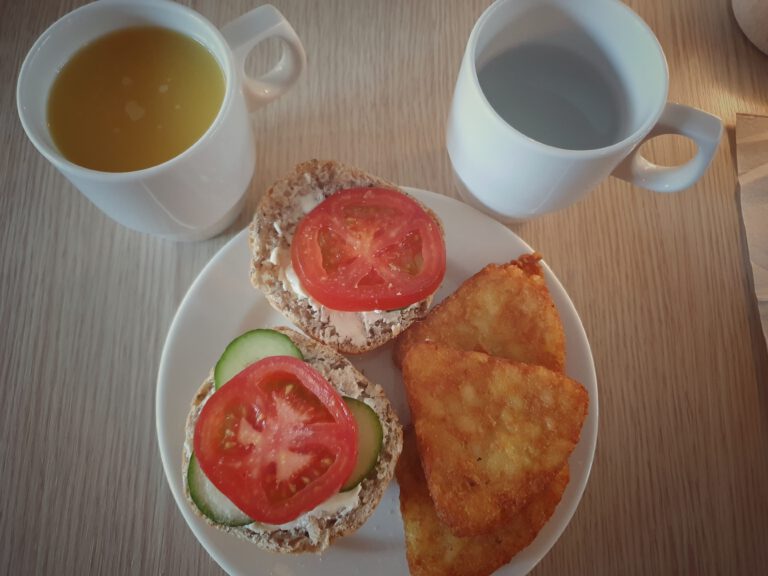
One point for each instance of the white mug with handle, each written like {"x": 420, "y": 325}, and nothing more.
{"x": 200, "y": 192}
{"x": 553, "y": 96}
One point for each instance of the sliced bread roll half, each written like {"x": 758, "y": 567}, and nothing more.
{"x": 270, "y": 234}
{"x": 315, "y": 530}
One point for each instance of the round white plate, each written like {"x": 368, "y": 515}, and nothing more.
{"x": 221, "y": 304}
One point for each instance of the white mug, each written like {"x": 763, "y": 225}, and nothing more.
{"x": 553, "y": 96}
{"x": 752, "y": 17}
{"x": 201, "y": 191}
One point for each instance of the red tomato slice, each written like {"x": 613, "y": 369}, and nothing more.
{"x": 368, "y": 249}
{"x": 277, "y": 439}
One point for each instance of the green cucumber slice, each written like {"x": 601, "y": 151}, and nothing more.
{"x": 370, "y": 437}
{"x": 210, "y": 501}
{"x": 249, "y": 348}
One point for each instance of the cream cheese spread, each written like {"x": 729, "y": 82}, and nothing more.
{"x": 338, "y": 504}
{"x": 351, "y": 326}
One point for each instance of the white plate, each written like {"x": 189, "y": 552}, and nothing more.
{"x": 221, "y": 304}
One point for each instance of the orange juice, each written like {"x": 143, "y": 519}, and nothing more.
{"x": 134, "y": 98}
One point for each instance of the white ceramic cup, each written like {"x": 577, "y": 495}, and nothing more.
{"x": 201, "y": 191}
{"x": 553, "y": 96}
{"x": 752, "y": 17}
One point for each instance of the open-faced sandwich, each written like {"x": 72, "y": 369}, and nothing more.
{"x": 350, "y": 258}
{"x": 287, "y": 445}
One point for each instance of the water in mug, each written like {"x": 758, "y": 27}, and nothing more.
{"x": 134, "y": 98}
{"x": 555, "y": 96}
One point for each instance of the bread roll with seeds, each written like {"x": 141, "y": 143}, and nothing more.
{"x": 281, "y": 208}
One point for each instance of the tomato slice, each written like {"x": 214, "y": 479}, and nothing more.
{"x": 368, "y": 249}
{"x": 277, "y": 439}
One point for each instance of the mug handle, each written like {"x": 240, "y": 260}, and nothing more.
{"x": 703, "y": 128}
{"x": 245, "y": 32}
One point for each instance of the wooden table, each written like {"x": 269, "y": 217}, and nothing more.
{"x": 680, "y": 478}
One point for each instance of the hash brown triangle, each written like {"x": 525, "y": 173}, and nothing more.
{"x": 504, "y": 310}
{"x": 431, "y": 549}
{"x": 491, "y": 433}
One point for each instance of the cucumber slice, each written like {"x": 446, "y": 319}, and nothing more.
{"x": 210, "y": 501}
{"x": 370, "y": 437}
{"x": 250, "y": 348}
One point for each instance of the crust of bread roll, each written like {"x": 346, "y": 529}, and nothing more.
{"x": 314, "y": 534}
{"x": 270, "y": 234}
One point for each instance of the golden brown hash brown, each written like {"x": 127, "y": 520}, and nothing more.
{"x": 491, "y": 432}
{"x": 503, "y": 310}
{"x": 430, "y": 547}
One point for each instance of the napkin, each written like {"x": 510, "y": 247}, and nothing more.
{"x": 752, "y": 163}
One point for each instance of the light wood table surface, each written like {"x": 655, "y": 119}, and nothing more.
{"x": 680, "y": 478}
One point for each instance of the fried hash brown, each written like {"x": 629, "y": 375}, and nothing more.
{"x": 491, "y": 432}
{"x": 503, "y": 310}
{"x": 432, "y": 550}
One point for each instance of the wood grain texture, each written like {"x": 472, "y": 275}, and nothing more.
{"x": 680, "y": 480}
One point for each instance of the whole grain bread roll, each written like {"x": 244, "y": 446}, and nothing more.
{"x": 270, "y": 235}
{"x": 310, "y": 532}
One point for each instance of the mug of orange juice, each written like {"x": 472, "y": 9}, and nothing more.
{"x": 143, "y": 105}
